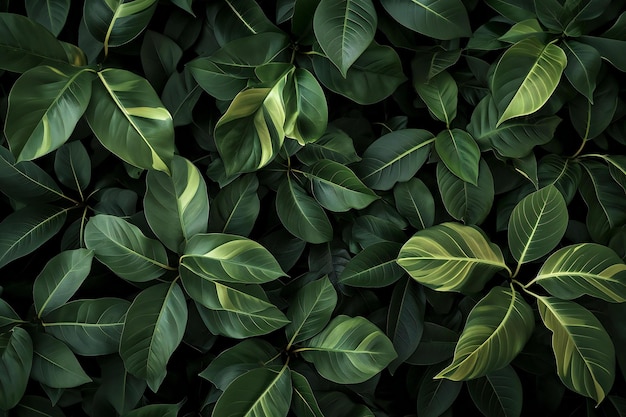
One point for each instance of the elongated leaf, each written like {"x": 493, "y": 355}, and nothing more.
{"x": 585, "y": 356}
{"x": 155, "y": 324}
{"x": 55, "y": 365}
{"x": 73, "y": 166}
{"x": 525, "y": 77}
{"x": 120, "y": 388}
{"x": 373, "y": 267}
{"x": 89, "y": 327}
{"x": 435, "y": 396}
{"x": 609, "y": 49}
{"x": 415, "y": 202}
{"x": 451, "y": 257}
{"x": 125, "y": 249}
{"x": 537, "y": 224}
{"x": 439, "y": 19}
{"x": 501, "y": 322}
{"x": 16, "y": 359}
{"x": 129, "y": 119}
{"x": 306, "y": 107}
{"x": 262, "y": 391}
{"x": 440, "y": 95}
{"x": 583, "y": 65}
{"x": 497, "y": 394}
{"x": 236, "y": 207}
{"x": 458, "y": 150}
{"x": 27, "y": 229}
{"x": 394, "y": 157}
{"x": 301, "y": 215}
{"x": 349, "y": 350}
{"x": 303, "y": 401}
{"x": 310, "y": 310}
{"x": 60, "y": 279}
{"x": 176, "y": 206}
{"x": 586, "y": 268}
{"x": 344, "y": 29}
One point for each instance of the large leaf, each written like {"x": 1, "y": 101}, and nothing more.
{"x": 16, "y": 359}
{"x": 496, "y": 330}
{"x": 537, "y": 224}
{"x": 451, "y": 257}
{"x": 344, "y": 29}
{"x": 435, "y": 396}
{"x": 497, "y": 394}
{"x": 159, "y": 57}
{"x": 458, "y": 150}
{"x": 415, "y": 202}
{"x": 583, "y": 65}
{"x": 60, "y": 279}
{"x": 236, "y": 207}
{"x": 585, "y": 268}
{"x": 260, "y": 392}
{"x": 394, "y": 157}
{"x": 373, "y": 267}
{"x": 349, "y": 350}
{"x": 307, "y": 110}
{"x": 585, "y": 356}
{"x": 177, "y": 205}
{"x": 154, "y": 327}
{"x": 439, "y": 19}
{"x": 50, "y": 14}
{"x": 55, "y": 365}
{"x": 27, "y": 229}
{"x": 129, "y": 119}
{"x": 440, "y": 95}
{"x": 125, "y": 249}
{"x": 525, "y": 77}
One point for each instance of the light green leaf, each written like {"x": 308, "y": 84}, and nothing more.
{"x": 155, "y": 324}
{"x": 349, "y": 350}
{"x": 72, "y": 166}
{"x": 439, "y": 19}
{"x": 130, "y": 120}
{"x": 306, "y": 107}
{"x": 310, "y": 310}
{"x": 260, "y": 392}
{"x": 344, "y": 29}
{"x": 303, "y": 401}
{"x": 16, "y": 359}
{"x": 373, "y": 267}
{"x": 583, "y": 66}
{"x": 497, "y": 394}
{"x": 51, "y": 14}
{"x": 60, "y": 279}
{"x": 451, "y": 257}
{"x": 415, "y": 202}
{"x": 176, "y": 206}
{"x": 236, "y": 207}
{"x": 496, "y": 330}
{"x": 458, "y": 150}
{"x": 525, "y": 77}
{"x": 585, "y": 356}
{"x": 125, "y": 249}
{"x": 54, "y": 364}
{"x": 440, "y": 95}
{"x": 435, "y": 396}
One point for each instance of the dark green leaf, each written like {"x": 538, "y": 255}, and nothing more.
{"x": 8, "y": 317}
{"x": 49, "y": 13}
{"x": 591, "y": 117}
{"x": 583, "y": 65}
{"x": 516, "y": 10}
{"x": 415, "y": 202}
{"x": 16, "y": 359}
{"x": 440, "y": 95}
{"x": 32, "y": 406}
{"x": 73, "y": 166}
{"x": 55, "y": 365}
{"x": 335, "y": 145}
{"x": 303, "y": 401}
{"x": 373, "y": 267}
{"x": 236, "y": 207}
{"x": 562, "y": 173}
{"x": 435, "y": 396}
{"x": 310, "y": 310}
{"x": 497, "y": 394}
{"x": 458, "y": 150}
{"x": 441, "y": 19}
{"x": 159, "y": 57}
{"x": 436, "y": 345}
{"x": 306, "y": 107}
{"x": 120, "y": 388}
{"x": 155, "y": 410}
{"x": 240, "y": 18}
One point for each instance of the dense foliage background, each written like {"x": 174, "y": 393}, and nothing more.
{"x": 312, "y": 208}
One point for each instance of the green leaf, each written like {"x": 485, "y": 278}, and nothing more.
{"x": 177, "y": 206}
{"x": 368, "y": 230}
{"x": 240, "y": 18}
{"x": 306, "y": 107}
{"x": 464, "y": 201}
{"x": 159, "y": 57}
{"x": 130, "y": 120}
{"x": 497, "y": 394}
{"x": 583, "y": 66}
{"x": 591, "y": 120}
{"x": 125, "y": 249}
{"x": 610, "y": 49}
{"x": 525, "y": 77}
{"x": 435, "y": 396}
{"x": 564, "y": 174}
{"x": 27, "y": 229}
{"x": 155, "y": 324}
{"x": 537, "y": 224}
{"x": 584, "y": 269}
{"x": 515, "y": 10}
{"x": 303, "y": 401}
{"x": 8, "y": 317}
{"x": 349, "y": 350}
{"x": 522, "y": 30}
{"x": 262, "y": 391}
{"x": 451, "y": 257}
{"x": 373, "y": 267}
{"x": 89, "y": 327}
{"x": 458, "y": 150}
{"x": 394, "y": 157}
{"x": 585, "y": 356}
{"x": 229, "y": 258}
{"x": 155, "y": 410}
{"x": 50, "y": 14}
{"x": 180, "y": 95}
{"x": 501, "y": 322}
{"x": 439, "y": 19}
{"x": 16, "y": 359}
{"x": 437, "y": 344}
{"x": 431, "y": 62}
{"x": 45, "y": 104}
{"x": 301, "y": 215}
{"x": 415, "y": 202}
{"x": 335, "y": 144}
{"x": 440, "y": 95}
{"x": 54, "y": 364}
{"x": 344, "y": 29}
{"x": 310, "y": 310}
{"x": 33, "y": 406}
{"x": 121, "y": 389}
{"x": 25, "y": 44}
{"x": 236, "y": 207}
{"x": 60, "y": 279}
{"x": 72, "y": 166}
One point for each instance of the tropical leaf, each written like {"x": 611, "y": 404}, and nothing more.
{"x": 585, "y": 356}
{"x": 440, "y": 19}
{"x": 440, "y": 95}
{"x": 120, "y": 388}
{"x": 515, "y": 10}
{"x": 50, "y": 14}
{"x": 335, "y": 144}
{"x": 458, "y": 150}
{"x": 35, "y": 406}
{"x": 562, "y": 173}
{"x": 8, "y": 317}
{"x": 583, "y": 66}
{"x": 590, "y": 118}
{"x": 156, "y": 410}
{"x": 415, "y": 202}
{"x": 310, "y": 310}
{"x": 303, "y": 401}
{"x": 306, "y": 107}
{"x": 373, "y": 267}
{"x": 522, "y": 30}
{"x": 451, "y": 257}
{"x": 236, "y": 207}
{"x": 159, "y": 57}
{"x": 435, "y": 396}
{"x": 240, "y": 18}
{"x": 72, "y": 166}
{"x": 16, "y": 359}
{"x": 54, "y": 364}
{"x": 501, "y": 322}
{"x": 497, "y": 394}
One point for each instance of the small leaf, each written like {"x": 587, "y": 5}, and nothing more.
{"x": 435, "y": 396}
{"x": 458, "y": 150}
{"x": 564, "y": 174}
{"x": 159, "y": 57}
{"x": 415, "y": 202}
{"x": 8, "y": 317}
{"x": 310, "y": 310}
{"x": 120, "y": 388}
{"x": 50, "y": 14}
{"x": 335, "y": 145}
{"x": 155, "y": 410}
{"x": 440, "y": 95}
{"x": 583, "y": 66}
{"x": 306, "y": 107}
{"x": 373, "y": 267}
{"x": 236, "y": 207}
{"x": 240, "y": 18}
{"x": 303, "y": 401}
{"x": 16, "y": 359}
{"x": 55, "y": 365}
{"x": 73, "y": 166}
{"x": 441, "y": 19}
{"x": 497, "y": 394}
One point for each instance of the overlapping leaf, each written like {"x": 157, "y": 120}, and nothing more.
{"x": 498, "y": 393}
{"x": 440, "y": 19}
{"x": 310, "y": 310}
{"x": 16, "y": 359}
{"x": 373, "y": 267}
{"x": 440, "y": 95}
{"x": 458, "y": 150}
{"x": 236, "y": 207}
{"x": 55, "y": 365}
{"x": 415, "y": 202}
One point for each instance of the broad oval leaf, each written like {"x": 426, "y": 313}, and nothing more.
{"x": 260, "y": 392}
{"x": 125, "y": 249}
{"x": 310, "y": 310}
{"x": 584, "y": 269}
{"x": 16, "y": 359}
{"x": 349, "y": 350}
{"x": 373, "y": 267}
{"x": 585, "y": 355}
{"x": 497, "y": 394}
{"x": 54, "y": 364}
{"x": 435, "y": 396}
{"x": 130, "y": 120}
{"x": 436, "y": 345}
{"x": 89, "y": 327}
{"x": 458, "y": 150}
{"x": 415, "y": 202}
{"x": 236, "y": 207}
{"x": 440, "y": 19}
{"x": 344, "y": 29}
{"x": 590, "y": 118}
{"x": 496, "y": 330}
{"x": 306, "y": 107}
{"x": 537, "y": 224}
{"x": 154, "y": 327}
{"x": 60, "y": 279}
{"x": 525, "y": 77}
{"x": 440, "y": 95}
{"x": 50, "y": 14}
{"x": 72, "y": 166}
